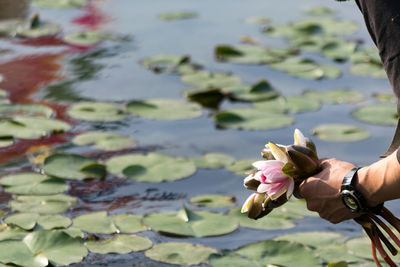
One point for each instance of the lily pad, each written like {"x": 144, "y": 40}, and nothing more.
{"x": 242, "y": 167}
{"x": 44, "y": 29}
{"x": 17, "y": 252}
{"x": 335, "y": 252}
{"x": 377, "y": 114}
{"x": 166, "y": 109}
{"x": 104, "y": 141}
{"x": 340, "y": 132}
{"x": 9, "y": 27}
{"x": 313, "y": 239}
{"x": 232, "y": 259}
{"x": 259, "y": 91}
{"x": 120, "y": 244}
{"x": 72, "y": 166}
{"x": 129, "y": 223}
{"x": 32, "y": 184}
{"x": 360, "y": 246}
{"x": 252, "y": 119}
{"x": 205, "y": 79}
{"x": 31, "y": 127}
{"x": 6, "y": 141}
{"x": 212, "y": 161}
{"x": 369, "y": 70}
{"x": 10, "y": 232}
{"x": 385, "y": 98}
{"x": 209, "y": 97}
{"x": 190, "y": 223}
{"x": 336, "y": 96}
{"x": 292, "y": 104}
{"x": 180, "y": 253}
{"x": 87, "y": 38}
{"x": 258, "y": 20}
{"x": 49, "y": 222}
{"x": 293, "y": 209}
{"x": 42, "y": 204}
{"x": 26, "y": 221}
{"x": 279, "y": 253}
{"x": 96, "y": 223}
{"x": 177, "y": 15}
{"x": 10, "y": 110}
{"x": 96, "y": 111}
{"x": 152, "y": 167}
{"x": 213, "y": 201}
{"x": 338, "y": 49}
{"x": 58, "y": 247}
{"x": 268, "y": 222}
{"x": 320, "y": 10}
{"x": 61, "y": 4}
{"x": 171, "y": 64}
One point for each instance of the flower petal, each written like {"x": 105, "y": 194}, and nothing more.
{"x": 264, "y": 188}
{"x": 260, "y": 164}
{"x": 299, "y": 138}
{"x": 278, "y": 152}
{"x": 278, "y": 191}
{"x": 290, "y": 188}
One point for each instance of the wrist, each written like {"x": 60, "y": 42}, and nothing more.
{"x": 368, "y": 188}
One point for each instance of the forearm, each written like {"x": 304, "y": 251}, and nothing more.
{"x": 380, "y": 181}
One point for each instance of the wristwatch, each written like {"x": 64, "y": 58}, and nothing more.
{"x": 351, "y": 198}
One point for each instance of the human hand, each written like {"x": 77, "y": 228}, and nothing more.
{"x": 322, "y": 191}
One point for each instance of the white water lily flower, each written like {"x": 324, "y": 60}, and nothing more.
{"x": 299, "y": 139}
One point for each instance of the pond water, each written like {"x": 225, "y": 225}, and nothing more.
{"x": 112, "y": 71}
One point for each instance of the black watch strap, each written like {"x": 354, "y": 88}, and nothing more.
{"x": 350, "y": 180}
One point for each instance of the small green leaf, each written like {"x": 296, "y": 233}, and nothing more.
{"x": 129, "y": 223}
{"x": 377, "y": 114}
{"x": 120, "y": 244}
{"x": 177, "y": 15}
{"x": 340, "y": 132}
{"x": 96, "y": 111}
{"x": 213, "y": 201}
{"x": 96, "y": 223}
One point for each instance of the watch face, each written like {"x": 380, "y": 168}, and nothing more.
{"x": 350, "y": 201}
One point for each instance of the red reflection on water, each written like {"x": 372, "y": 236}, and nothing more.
{"x": 93, "y": 18}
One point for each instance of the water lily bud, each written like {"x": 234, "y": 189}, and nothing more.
{"x": 251, "y": 183}
{"x": 310, "y": 145}
{"x": 256, "y": 206}
{"x": 278, "y": 152}
{"x": 266, "y": 153}
{"x": 304, "y": 165}
{"x": 299, "y": 138}
{"x": 278, "y": 202}
{"x": 306, "y": 151}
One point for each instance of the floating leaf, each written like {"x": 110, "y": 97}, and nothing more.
{"x": 171, "y": 64}
{"x": 213, "y": 201}
{"x": 242, "y": 167}
{"x": 190, "y": 223}
{"x": 71, "y": 166}
{"x": 293, "y": 209}
{"x": 9, "y": 232}
{"x": 258, "y": 20}
{"x": 209, "y": 97}
{"x": 180, "y": 253}
{"x": 104, "y": 141}
{"x": 44, "y": 29}
{"x": 205, "y": 79}
{"x": 279, "y": 253}
{"x": 96, "y": 223}
{"x": 152, "y": 167}
{"x": 268, "y": 222}
{"x": 340, "y": 132}
{"x": 167, "y": 109}
{"x": 360, "y": 246}
{"x": 293, "y": 104}
{"x": 232, "y": 259}
{"x": 338, "y": 49}
{"x": 87, "y": 38}
{"x": 313, "y": 239}
{"x": 177, "y": 15}
{"x": 31, "y": 127}
{"x": 61, "y": 3}
{"x": 17, "y": 252}
{"x": 32, "y": 184}
{"x": 337, "y": 96}
{"x": 49, "y": 222}
{"x": 385, "y": 98}
{"x": 120, "y": 244}
{"x": 335, "y": 252}
{"x": 96, "y": 111}
{"x": 6, "y": 141}
{"x": 10, "y": 110}
{"x": 212, "y": 161}
{"x": 252, "y": 119}
{"x": 368, "y": 69}
{"x": 9, "y": 27}
{"x": 129, "y": 223}
{"x": 59, "y": 247}
{"x": 377, "y": 114}
{"x": 26, "y": 221}
{"x": 42, "y": 204}
{"x": 320, "y": 10}
{"x": 259, "y": 91}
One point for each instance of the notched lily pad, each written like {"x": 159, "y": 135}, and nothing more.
{"x": 120, "y": 244}
{"x": 377, "y": 114}
{"x": 152, "y": 167}
{"x": 177, "y": 15}
{"x": 268, "y": 222}
{"x": 96, "y": 223}
{"x": 340, "y": 132}
{"x": 87, "y": 38}
{"x": 42, "y": 204}
{"x": 213, "y": 161}
{"x": 175, "y": 64}
{"x": 167, "y": 109}
{"x": 96, "y": 111}
{"x": 336, "y": 96}
{"x": 104, "y": 141}
{"x": 129, "y": 223}
{"x": 213, "y": 201}
{"x": 180, "y": 253}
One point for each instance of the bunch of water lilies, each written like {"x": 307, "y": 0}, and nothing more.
{"x": 284, "y": 167}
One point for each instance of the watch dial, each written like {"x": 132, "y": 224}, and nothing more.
{"x": 350, "y": 202}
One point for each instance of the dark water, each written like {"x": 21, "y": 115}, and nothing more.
{"x": 113, "y": 73}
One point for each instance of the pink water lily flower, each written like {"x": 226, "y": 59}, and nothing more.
{"x": 273, "y": 181}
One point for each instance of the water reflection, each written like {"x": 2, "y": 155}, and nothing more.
{"x": 13, "y": 9}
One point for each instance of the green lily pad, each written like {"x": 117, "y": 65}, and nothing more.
{"x": 177, "y": 15}
{"x": 17, "y": 252}
{"x": 385, "y": 98}
{"x": 31, "y": 127}
{"x": 44, "y": 29}
{"x": 190, "y": 223}
{"x": 339, "y": 50}
{"x": 258, "y": 20}
{"x": 87, "y": 38}
{"x": 6, "y": 141}
{"x": 35, "y": 110}
{"x": 205, "y": 79}
{"x": 320, "y": 10}
{"x": 96, "y": 223}
{"x": 58, "y": 247}
{"x": 292, "y": 104}
{"x": 212, "y": 161}
{"x": 72, "y": 166}
{"x": 9, "y": 27}
{"x": 336, "y": 96}
{"x": 10, "y": 232}
{"x": 166, "y": 109}
{"x": 74, "y": 232}
{"x": 368, "y": 69}
{"x": 49, "y": 222}
{"x": 313, "y": 239}
{"x": 232, "y": 259}
{"x": 213, "y": 201}
{"x": 335, "y": 252}
{"x": 293, "y": 209}
{"x": 104, "y": 141}
{"x": 279, "y": 253}
{"x": 42, "y": 204}
{"x": 340, "y": 132}
{"x": 152, "y": 167}
{"x": 32, "y": 184}
{"x": 129, "y": 223}
{"x": 377, "y": 114}
{"x": 268, "y": 222}
{"x": 252, "y": 119}
{"x": 360, "y": 246}
{"x": 209, "y": 97}
{"x": 242, "y": 167}
{"x": 180, "y": 253}
{"x": 96, "y": 111}
{"x": 61, "y": 4}
{"x": 120, "y": 244}
{"x": 259, "y": 91}
{"x": 171, "y": 64}
{"x": 26, "y": 221}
